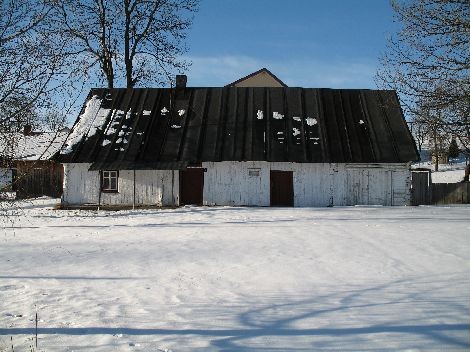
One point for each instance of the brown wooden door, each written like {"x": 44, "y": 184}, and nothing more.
{"x": 191, "y": 186}
{"x": 421, "y": 187}
{"x": 282, "y": 188}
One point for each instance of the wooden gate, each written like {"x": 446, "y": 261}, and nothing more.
{"x": 38, "y": 178}
{"x": 421, "y": 187}
{"x": 282, "y": 188}
{"x": 191, "y": 186}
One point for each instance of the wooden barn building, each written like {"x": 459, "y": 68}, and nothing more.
{"x": 238, "y": 145}
{"x": 26, "y": 166}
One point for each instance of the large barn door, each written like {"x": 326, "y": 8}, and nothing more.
{"x": 282, "y": 188}
{"x": 191, "y": 186}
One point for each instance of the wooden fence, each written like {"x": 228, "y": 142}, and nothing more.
{"x": 424, "y": 192}
{"x": 38, "y": 178}
{"x": 451, "y": 193}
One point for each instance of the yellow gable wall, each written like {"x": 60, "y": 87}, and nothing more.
{"x": 261, "y": 79}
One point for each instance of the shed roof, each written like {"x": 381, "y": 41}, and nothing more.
{"x": 171, "y": 128}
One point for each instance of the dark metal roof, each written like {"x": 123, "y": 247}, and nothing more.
{"x": 171, "y": 128}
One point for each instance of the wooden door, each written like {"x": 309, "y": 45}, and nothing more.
{"x": 282, "y": 188}
{"x": 191, "y": 186}
{"x": 421, "y": 187}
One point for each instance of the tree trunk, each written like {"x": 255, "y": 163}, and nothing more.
{"x": 106, "y": 56}
{"x": 436, "y": 151}
{"x": 127, "y": 44}
{"x": 109, "y": 72}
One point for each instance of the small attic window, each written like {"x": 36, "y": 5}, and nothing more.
{"x": 254, "y": 172}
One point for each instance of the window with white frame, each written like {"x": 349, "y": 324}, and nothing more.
{"x": 109, "y": 181}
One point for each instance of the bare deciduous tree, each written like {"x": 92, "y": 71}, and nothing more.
{"x": 430, "y": 128}
{"x": 31, "y": 61}
{"x": 132, "y": 41}
{"x": 428, "y": 63}
{"x": 27, "y": 61}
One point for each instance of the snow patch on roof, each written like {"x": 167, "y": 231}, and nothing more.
{"x": 39, "y": 146}
{"x": 89, "y": 122}
{"x": 311, "y": 121}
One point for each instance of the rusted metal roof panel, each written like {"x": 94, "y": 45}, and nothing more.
{"x": 138, "y": 128}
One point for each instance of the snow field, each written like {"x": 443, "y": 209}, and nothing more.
{"x": 237, "y": 279}
{"x": 448, "y": 173}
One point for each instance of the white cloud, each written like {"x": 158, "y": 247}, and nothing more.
{"x": 221, "y": 70}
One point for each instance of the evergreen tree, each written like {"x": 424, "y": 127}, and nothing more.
{"x": 454, "y": 150}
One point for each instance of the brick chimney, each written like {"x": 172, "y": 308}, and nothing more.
{"x": 181, "y": 81}
{"x": 27, "y": 130}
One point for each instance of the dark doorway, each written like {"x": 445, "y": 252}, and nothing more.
{"x": 191, "y": 186}
{"x": 421, "y": 186}
{"x": 282, "y": 188}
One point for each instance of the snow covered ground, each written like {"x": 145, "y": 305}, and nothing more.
{"x": 237, "y": 279}
{"x": 448, "y": 173}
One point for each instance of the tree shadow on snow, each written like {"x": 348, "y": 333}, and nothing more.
{"x": 402, "y": 314}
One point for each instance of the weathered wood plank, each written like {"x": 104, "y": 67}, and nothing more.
{"x": 450, "y": 193}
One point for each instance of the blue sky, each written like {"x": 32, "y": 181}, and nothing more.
{"x": 308, "y": 43}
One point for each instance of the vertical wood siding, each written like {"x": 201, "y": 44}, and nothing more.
{"x": 316, "y": 185}
{"x": 230, "y": 183}
{"x": 152, "y": 187}
{"x": 37, "y": 178}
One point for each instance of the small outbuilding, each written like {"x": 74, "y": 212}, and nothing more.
{"x": 26, "y": 166}
{"x": 244, "y": 146}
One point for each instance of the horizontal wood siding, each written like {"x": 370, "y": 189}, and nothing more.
{"x": 152, "y": 187}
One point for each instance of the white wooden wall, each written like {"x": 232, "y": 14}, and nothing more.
{"x": 229, "y": 183}
{"x": 319, "y": 185}
{"x": 152, "y": 187}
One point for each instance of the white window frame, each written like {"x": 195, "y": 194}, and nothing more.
{"x": 110, "y": 175}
